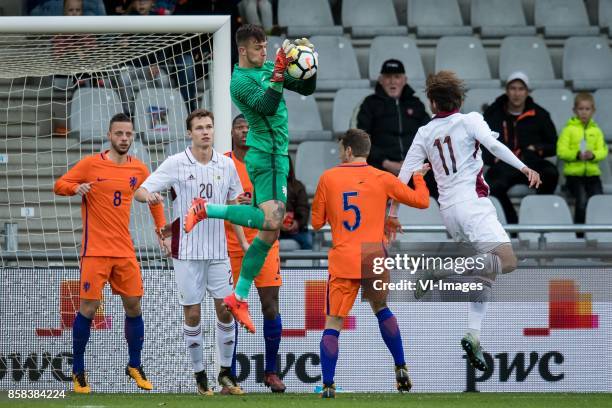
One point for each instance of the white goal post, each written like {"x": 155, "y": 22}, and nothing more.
{"x": 218, "y": 25}
{"x": 63, "y": 78}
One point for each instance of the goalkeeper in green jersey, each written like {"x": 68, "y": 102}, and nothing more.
{"x": 257, "y": 90}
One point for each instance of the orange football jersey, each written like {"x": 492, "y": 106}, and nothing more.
{"x": 352, "y": 198}
{"x": 105, "y": 209}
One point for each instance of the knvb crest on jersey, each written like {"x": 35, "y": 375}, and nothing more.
{"x": 133, "y": 182}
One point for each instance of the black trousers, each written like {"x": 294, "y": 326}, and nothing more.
{"x": 582, "y": 188}
{"x": 501, "y": 177}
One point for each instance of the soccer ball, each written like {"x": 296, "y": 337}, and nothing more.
{"x": 304, "y": 63}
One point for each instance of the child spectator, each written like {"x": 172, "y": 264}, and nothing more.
{"x": 581, "y": 146}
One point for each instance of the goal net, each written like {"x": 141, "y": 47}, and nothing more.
{"x": 61, "y": 80}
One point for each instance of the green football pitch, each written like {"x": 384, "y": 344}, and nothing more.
{"x": 489, "y": 400}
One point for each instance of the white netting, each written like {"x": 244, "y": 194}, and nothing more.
{"x": 57, "y": 95}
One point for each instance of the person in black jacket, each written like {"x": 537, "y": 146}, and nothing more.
{"x": 527, "y": 129}
{"x": 392, "y": 115}
{"x": 295, "y": 224}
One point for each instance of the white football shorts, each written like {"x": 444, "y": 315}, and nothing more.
{"x": 475, "y": 221}
{"x": 193, "y": 277}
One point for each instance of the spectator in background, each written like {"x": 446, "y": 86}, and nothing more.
{"x": 392, "y": 116}
{"x": 581, "y": 146}
{"x": 180, "y": 65}
{"x": 258, "y": 12}
{"x": 73, "y": 7}
{"x": 116, "y": 7}
{"x": 213, "y": 7}
{"x": 57, "y": 8}
{"x": 527, "y": 130}
{"x": 151, "y": 7}
{"x": 295, "y": 224}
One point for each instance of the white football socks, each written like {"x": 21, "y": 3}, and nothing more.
{"x": 476, "y": 313}
{"x": 193, "y": 341}
{"x": 226, "y": 336}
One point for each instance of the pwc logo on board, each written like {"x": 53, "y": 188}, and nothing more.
{"x": 314, "y": 311}
{"x": 69, "y": 306}
{"x": 568, "y": 309}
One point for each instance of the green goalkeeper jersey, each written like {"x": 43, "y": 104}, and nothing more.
{"x": 264, "y": 107}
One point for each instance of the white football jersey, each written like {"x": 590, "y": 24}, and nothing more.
{"x": 217, "y": 182}
{"x": 452, "y": 146}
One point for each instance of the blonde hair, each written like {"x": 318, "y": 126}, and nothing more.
{"x": 582, "y": 97}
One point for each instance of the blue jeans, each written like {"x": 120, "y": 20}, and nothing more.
{"x": 185, "y": 75}
{"x": 303, "y": 238}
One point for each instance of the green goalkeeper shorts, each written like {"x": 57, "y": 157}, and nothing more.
{"x": 268, "y": 173}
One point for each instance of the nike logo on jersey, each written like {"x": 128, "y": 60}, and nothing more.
{"x": 101, "y": 179}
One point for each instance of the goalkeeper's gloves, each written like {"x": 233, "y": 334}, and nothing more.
{"x": 305, "y": 42}
{"x": 282, "y": 61}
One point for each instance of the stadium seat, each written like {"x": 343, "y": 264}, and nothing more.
{"x": 476, "y": 100}
{"x": 603, "y": 102}
{"x": 305, "y": 18}
{"x": 91, "y": 110}
{"x": 368, "y": 18}
{"x": 598, "y": 212}
{"x": 274, "y": 43}
{"x": 420, "y": 93}
{"x": 177, "y": 146}
{"x": 558, "y": 102}
{"x": 606, "y": 174}
{"x": 542, "y": 210}
{"x": 345, "y": 109}
{"x": 142, "y": 227}
{"x": 304, "y": 118}
{"x": 436, "y": 18}
{"x": 605, "y": 14}
{"x": 587, "y": 62}
{"x": 529, "y": 55}
{"x": 401, "y": 48}
{"x": 341, "y": 70}
{"x": 466, "y": 56}
{"x": 563, "y": 18}
{"x": 501, "y": 215}
{"x": 288, "y": 245}
{"x": 520, "y": 191}
{"x": 312, "y": 158}
{"x": 160, "y": 115}
{"x": 417, "y": 217}
{"x": 499, "y": 18}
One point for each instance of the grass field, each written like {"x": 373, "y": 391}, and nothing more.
{"x": 472, "y": 400}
